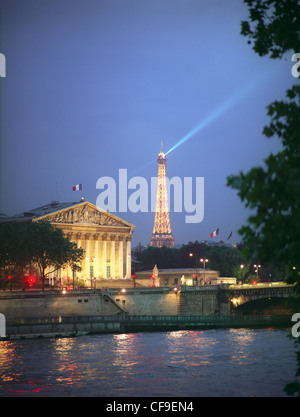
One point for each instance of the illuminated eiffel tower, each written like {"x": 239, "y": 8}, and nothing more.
{"x": 162, "y": 233}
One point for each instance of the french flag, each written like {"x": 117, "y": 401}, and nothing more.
{"x": 77, "y": 187}
{"x": 215, "y": 233}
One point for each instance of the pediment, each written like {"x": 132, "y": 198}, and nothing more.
{"x": 85, "y": 213}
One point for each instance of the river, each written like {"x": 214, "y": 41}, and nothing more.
{"x": 222, "y": 362}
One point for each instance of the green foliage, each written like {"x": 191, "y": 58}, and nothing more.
{"x": 13, "y": 248}
{"x": 225, "y": 259}
{"x": 273, "y": 192}
{"x": 23, "y": 244}
{"x": 149, "y": 257}
{"x": 273, "y": 26}
{"x": 251, "y": 278}
{"x": 241, "y": 271}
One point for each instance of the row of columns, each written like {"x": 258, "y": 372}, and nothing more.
{"x": 108, "y": 254}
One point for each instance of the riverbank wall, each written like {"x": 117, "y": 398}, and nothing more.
{"x": 86, "y": 325}
{"x": 156, "y": 301}
{"x": 75, "y": 312}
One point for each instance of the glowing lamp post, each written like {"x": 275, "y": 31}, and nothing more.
{"x": 196, "y": 267}
{"x": 257, "y": 266}
{"x": 133, "y": 280}
{"x": 204, "y": 262}
{"x": 92, "y": 278}
{"x": 153, "y": 280}
{"x": 10, "y": 281}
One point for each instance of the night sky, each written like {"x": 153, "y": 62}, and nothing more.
{"x": 93, "y": 86}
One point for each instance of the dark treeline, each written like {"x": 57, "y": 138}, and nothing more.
{"x": 34, "y": 250}
{"x": 229, "y": 261}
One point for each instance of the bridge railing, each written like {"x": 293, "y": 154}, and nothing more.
{"x": 261, "y": 285}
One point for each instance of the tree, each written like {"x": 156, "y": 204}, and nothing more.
{"x": 225, "y": 259}
{"x": 14, "y": 250}
{"x": 51, "y": 250}
{"x": 137, "y": 257}
{"x": 190, "y": 254}
{"x": 40, "y": 243}
{"x": 272, "y": 192}
{"x": 273, "y": 26}
{"x": 162, "y": 257}
{"x": 241, "y": 271}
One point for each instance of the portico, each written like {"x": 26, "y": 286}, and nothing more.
{"x": 105, "y": 238}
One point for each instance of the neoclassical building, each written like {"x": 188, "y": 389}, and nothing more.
{"x": 105, "y": 238}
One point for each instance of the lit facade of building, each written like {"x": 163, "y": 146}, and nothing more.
{"x": 181, "y": 276}
{"x": 105, "y": 238}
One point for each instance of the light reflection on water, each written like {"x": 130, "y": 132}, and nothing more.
{"x": 229, "y": 362}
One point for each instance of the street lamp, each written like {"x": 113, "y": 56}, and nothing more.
{"x": 196, "y": 267}
{"x": 204, "y": 262}
{"x": 257, "y": 266}
{"x": 91, "y": 268}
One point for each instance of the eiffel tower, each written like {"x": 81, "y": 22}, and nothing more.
{"x": 162, "y": 233}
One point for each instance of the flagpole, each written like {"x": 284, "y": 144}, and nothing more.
{"x": 57, "y": 195}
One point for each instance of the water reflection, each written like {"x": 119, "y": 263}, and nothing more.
{"x": 183, "y": 363}
{"x": 242, "y": 336}
{"x": 8, "y": 358}
{"x": 18, "y": 375}
{"x": 126, "y": 349}
{"x": 195, "y": 346}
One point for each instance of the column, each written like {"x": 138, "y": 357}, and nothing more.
{"x": 128, "y": 258}
{"x": 104, "y": 255}
{"x": 87, "y": 256}
{"x": 121, "y": 258}
{"x": 69, "y": 268}
{"x": 78, "y": 242}
{"x": 96, "y": 255}
{"x": 112, "y": 256}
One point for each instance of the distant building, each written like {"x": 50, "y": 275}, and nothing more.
{"x": 105, "y": 238}
{"x": 181, "y": 276}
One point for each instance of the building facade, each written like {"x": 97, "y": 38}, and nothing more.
{"x": 181, "y": 276}
{"x": 105, "y": 238}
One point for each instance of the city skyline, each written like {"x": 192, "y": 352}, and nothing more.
{"x": 99, "y": 92}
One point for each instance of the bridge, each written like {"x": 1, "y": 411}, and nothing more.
{"x": 262, "y": 298}
{"x": 266, "y": 292}
{"x": 244, "y": 293}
